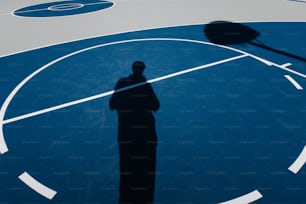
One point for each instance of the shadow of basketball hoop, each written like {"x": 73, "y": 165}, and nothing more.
{"x": 229, "y": 33}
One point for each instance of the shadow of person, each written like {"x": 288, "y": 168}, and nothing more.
{"x": 135, "y": 102}
{"x": 229, "y": 33}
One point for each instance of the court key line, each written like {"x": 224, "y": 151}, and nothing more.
{"x": 37, "y": 186}
{"x": 245, "y": 199}
{"x": 3, "y": 146}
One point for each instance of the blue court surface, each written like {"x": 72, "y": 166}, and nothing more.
{"x": 231, "y": 125}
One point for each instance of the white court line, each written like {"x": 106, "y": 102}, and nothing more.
{"x": 288, "y": 70}
{"x": 65, "y": 7}
{"x": 3, "y": 146}
{"x": 286, "y": 65}
{"x": 83, "y": 100}
{"x": 37, "y": 186}
{"x": 245, "y": 199}
{"x": 29, "y": 11}
{"x": 299, "y": 162}
{"x": 90, "y": 4}
{"x": 295, "y": 83}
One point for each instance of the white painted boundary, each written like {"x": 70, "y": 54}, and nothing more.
{"x": 295, "y": 83}
{"x": 299, "y": 162}
{"x": 37, "y": 186}
{"x": 246, "y": 199}
{"x": 3, "y": 146}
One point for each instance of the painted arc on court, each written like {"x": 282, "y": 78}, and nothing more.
{"x": 3, "y": 146}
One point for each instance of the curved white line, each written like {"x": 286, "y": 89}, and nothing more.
{"x": 299, "y": 162}
{"x": 245, "y": 199}
{"x": 293, "y": 82}
{"x": 83, "y": 100}
{"x": 3, "y": 146}
{"x": 66, "y": 7}
{"x": 37, "y": 186}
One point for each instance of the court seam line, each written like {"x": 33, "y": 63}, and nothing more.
{"x": 107, "y": 93}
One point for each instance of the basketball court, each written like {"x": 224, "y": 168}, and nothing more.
{"x": 231, "y": 124}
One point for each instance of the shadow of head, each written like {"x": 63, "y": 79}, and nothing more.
{"x": 138, "y": 68}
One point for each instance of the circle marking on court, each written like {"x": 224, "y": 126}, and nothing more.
{"x": 63, "y": 8}
{"x": 49, "y": 193}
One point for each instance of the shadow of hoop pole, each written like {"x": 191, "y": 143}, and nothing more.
{"x": 229, "y": 33}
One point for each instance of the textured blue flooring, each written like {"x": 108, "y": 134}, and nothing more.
{"x": 223, "y": 131}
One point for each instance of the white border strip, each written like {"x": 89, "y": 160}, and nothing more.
{"x": 295, "y": 83}
{"x": 37, "y": 186}
{"x": 299, "y": 162}
{"x": 246, "y": 199}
